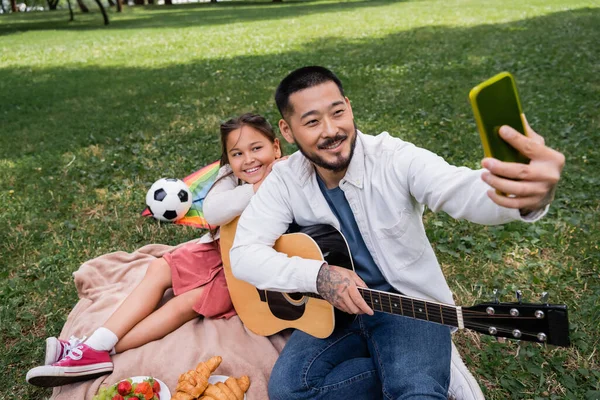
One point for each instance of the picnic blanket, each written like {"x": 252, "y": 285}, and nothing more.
{"x": 104, "y": 282}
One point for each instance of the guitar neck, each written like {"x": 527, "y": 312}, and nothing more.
{"x": 406, "y": 306}
{"x": 414, "y": 308}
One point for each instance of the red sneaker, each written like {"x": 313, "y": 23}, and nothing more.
{"x": 57, "y": 349}
{"x": 80, "y": 364}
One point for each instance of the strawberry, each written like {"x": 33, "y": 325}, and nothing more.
{"x": 118, "y": 397}
{"x": 145, "y": 389}
{"x": 124, "y": 388}
{"x": 156, "y": 386}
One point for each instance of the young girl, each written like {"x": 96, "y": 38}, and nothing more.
{"x": 194, "y": 271}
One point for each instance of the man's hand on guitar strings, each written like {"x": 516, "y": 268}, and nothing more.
{"x": 339, "y": 286}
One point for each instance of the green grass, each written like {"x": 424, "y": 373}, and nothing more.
{"x": 91, "y": 116}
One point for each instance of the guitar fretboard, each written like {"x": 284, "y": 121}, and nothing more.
{"x": 409, "y": 307}
{"x": 398, "y": 304}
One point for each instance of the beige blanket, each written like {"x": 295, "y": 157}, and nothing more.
{"x": 104, "y": 282}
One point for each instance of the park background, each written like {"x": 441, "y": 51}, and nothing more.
{"x": 91, "y": 115}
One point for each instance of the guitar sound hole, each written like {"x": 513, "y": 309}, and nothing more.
{"x": 296, "y": 296}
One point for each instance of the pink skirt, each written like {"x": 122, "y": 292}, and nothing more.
{"x": 199, "y": 264}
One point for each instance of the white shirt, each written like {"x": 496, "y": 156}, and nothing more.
{"x": 225, "y": 200}
{"x": 387, "y": 184}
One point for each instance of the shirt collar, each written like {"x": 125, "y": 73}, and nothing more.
{"x": 356, "y": 170}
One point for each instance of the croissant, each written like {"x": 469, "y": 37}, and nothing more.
{"x": 192, "y": 384}
{"x": 232, "y": 389}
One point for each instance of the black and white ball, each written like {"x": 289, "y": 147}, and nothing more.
{"x": 169, "y": 199}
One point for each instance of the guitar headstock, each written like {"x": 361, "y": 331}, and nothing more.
{"x": 542, "y": 323}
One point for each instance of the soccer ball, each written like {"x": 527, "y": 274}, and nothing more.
{"x": 169, "y": 199}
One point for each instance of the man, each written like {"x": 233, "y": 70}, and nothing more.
{"x": 372, "y": 188}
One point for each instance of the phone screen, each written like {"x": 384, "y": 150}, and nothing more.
{"x": 497, "y": 104}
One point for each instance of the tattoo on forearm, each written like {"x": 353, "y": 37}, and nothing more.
{"x": 331, "y": 284}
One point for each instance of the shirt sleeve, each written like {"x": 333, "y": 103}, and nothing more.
{"x": 459, "y": 191}
{"x": 252, "y": 256}
{"x": 226, "y": 199}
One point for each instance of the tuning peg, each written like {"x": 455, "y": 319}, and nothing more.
{"x": 495, "y": 292}
{"x": 519, "y": 294}
{"x": 544, "y": 298}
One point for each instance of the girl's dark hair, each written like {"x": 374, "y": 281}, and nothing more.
{"x": 255, "y": 121}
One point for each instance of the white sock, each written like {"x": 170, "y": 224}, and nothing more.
{"x": 102, "y": 340}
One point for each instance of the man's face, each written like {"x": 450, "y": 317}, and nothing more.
{"x": 321, "y": 124}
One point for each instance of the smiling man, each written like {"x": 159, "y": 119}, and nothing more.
{"x": 373, "y": 189}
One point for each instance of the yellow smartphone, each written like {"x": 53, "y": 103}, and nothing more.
{"x": 495, "y": 103}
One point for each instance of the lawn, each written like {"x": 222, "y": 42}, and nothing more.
{"x": 90, "y": 116}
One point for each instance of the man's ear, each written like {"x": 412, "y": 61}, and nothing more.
{"x": 286, "y": 131}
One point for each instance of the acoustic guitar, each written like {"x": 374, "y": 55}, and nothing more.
{"x": 266, "y": 312}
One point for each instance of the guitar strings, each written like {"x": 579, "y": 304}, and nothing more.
{"x": 484, "y": 327}
{"x": 448, "y": 316}
{"x": 431, "y": 306}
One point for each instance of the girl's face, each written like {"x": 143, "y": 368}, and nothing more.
{"x": 250, "y": 152}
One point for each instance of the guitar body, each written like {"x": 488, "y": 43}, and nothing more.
{"x": 267, "y": 312}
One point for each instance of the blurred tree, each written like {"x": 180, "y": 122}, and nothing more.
{"x": 104, "y": 15}
{"x": 71, "y": 11}
{"x": 52, "y": 4}
{"x": 82, "y": 6}
{"x": 13, "y": 5}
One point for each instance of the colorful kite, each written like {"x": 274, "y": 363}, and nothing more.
{"x": 199, "y": 183}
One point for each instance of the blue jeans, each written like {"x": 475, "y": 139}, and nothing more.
{"x": 376, "y": 357}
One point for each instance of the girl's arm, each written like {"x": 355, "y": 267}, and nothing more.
{"x": 226, "y": 199}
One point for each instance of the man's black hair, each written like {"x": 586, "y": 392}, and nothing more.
{"x": 300, "y": 79}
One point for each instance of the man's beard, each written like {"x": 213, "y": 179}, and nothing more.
{"x": 340, "y": 164}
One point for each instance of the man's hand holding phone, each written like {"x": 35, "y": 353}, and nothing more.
{"x": 530, "y": 187}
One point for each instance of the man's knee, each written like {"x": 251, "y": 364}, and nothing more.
{"x": 279, "y": 383}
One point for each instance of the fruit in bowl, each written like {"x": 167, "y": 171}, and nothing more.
{"x": 137, "y": 388}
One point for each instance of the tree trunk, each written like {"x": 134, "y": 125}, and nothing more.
{"x": 82, "y": 6}
{"x": 2, "y": 7}
{"x": 13, "y": 5}
{"x": 52, "y": 4}
{"x": 119, "y": 5}
{"x": 111, "y": 3}
{"x": 138, "y": 2}
{"x": 168, "y": 2}
{"x": 70, "y": 11}
{"x": 150, "y": 1}
{"x": 106, "y": 21}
